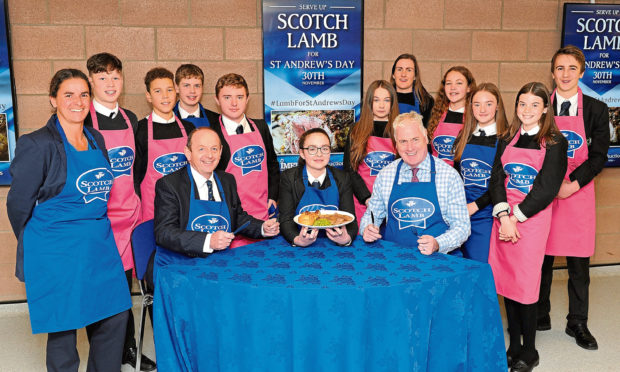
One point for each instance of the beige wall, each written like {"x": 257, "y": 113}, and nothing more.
{"x": 508, "y": 42}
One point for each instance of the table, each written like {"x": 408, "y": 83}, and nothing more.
{"x": 368, "y": 307}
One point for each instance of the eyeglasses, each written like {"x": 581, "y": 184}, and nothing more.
{"x": 313, "y": 149}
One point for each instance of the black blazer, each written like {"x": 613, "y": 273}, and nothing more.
{"x": 292, "y": 188}
{"x": 38, "y": 172}
{"x": 596, "y": 125}
{"x": 273, "y": 167}
{"x": 172, "y": 193}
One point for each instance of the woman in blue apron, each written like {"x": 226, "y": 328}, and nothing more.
{"x": 474, "y": 152}
{"x": 66, "y": 251}
{"x": 412, "y": 96}
{"x": 314, "y": 185}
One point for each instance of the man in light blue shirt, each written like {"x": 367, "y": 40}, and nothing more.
{"x": 422, "y": 198}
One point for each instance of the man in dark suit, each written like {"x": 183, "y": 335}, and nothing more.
{"x": 583, "y": 120}
{"x": 173, "y": 203}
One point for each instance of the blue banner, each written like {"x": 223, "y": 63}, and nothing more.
{"x": 7, "y": 114}
{"x": 312, "y": 77}
{"x": 595, "y": 29}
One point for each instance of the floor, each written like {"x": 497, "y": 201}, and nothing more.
{"x": 22, "y": 351}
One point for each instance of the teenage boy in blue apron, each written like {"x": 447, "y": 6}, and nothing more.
{"x": 197, "y": 208}
{"x": 189, "y": 82}
{"x": 421, "y": 197}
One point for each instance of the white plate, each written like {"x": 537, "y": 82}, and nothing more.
{"x": 296, "y": 219}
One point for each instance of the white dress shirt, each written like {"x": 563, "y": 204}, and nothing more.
{"x": 203, "y": 194}
{"x": 184, "y": 114}
{"x": 104, "y": 110}
{"x": 158, "y": 119}
{"x": 320, "y": 178}
{"x": 231, "y": 125}
{"x": 532, "y": 131}
{"x": 574, "y": 102}
{"x": 489, "y": 130}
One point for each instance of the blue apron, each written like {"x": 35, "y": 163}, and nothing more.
{"x": 74, "y": 274}
{"x": 406, "y": 107}
{"x": 205, "y": 216}
{"x": 476, "y": 166}
{"x": 202, "y": 121}
{"x": 410, "y": 217}
{"x": 314, "y": 199}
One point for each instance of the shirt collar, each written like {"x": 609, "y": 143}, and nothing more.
{"x": 320, "y": 178}
{"x": 158, "y": 119}
{"x": 489, "y": 130}
{"x": 532, "y": 131}
{"x": 199, "y": 178}
{"x": 461, "y": 110}
{"x": 425, "y": 164}
{"x": 231, "y": 125}
{"x": 574, "y": 101}
{"x": 184, "y": 114}
{"x": 104, "y": 110}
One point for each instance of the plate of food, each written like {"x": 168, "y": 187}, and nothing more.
{"x": 323, "y": 219}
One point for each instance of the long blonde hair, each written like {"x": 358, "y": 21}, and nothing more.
{"x": 441, "y": 100}
{"x": 364, "y": 127}
{"x": 470, "y": 121}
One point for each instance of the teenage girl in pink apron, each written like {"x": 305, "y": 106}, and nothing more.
{"x": 449, "y": 111}
{"x": 369, "y": 147}
{"x": 527, "y": 174}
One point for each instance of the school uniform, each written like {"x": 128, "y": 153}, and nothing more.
{"x": 573, "y": 229}
{"x": 201, "y": 117}
{"x": 379, "y": 153}
{"x": 297, "y": 195}
{"x": 408, "y": 102}
{"x": 475, "y": 168}
{"x": 248, "y": 154}
{"x": 449, "y": 126}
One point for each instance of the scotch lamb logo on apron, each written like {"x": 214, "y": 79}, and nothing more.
{"x": 316, "y": 207}
{"x": 443, "y": 146}
{"x": 378, "y": 160}
{"x": 249, "y": 159}
{"x": 412, "y": 212}
{"x": 575, "y": 141}
{"x": 520, "y": 177}
{"x": 95, "y": 184}
{"x": 209, "y": 223}
{"x": 475, "y": 172}
{"x": 168, "y": 163}
{"x": 121, "y": 160}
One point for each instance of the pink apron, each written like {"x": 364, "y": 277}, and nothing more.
{"x": 248, "y": 163}
{"x": 443, "y": 139}
{"x": 517, "y": 267}
{"x": 573, "y": 225}
{"x": 164, "y": 157}
{"x": 123, "y": 203}
{"x": 379, "y": 153}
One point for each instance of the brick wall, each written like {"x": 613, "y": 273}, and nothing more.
{"x": 508, "y": 42}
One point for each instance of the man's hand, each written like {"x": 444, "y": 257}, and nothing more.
{"x": 472, "y": 208}
{"x": 427, "y": 245}
{"x": 220, "y": 240}
{"x": 568, "y": 188}
{"x": 371, "y": 233}
{"x": 271, "y": 228}
{"x": 305, "y": 237}
{"x": 338, "y": 235}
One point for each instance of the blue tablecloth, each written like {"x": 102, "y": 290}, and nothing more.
{"x": 368, "y": 307}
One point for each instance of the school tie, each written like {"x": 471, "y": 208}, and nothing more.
{"x": 316, "y": 184}
{"x": 112, "y": 115}
{"x": 481, "y": 132}
{"x": 239, "y": 129}
{"x": 564, "y": 108}
{"x": 191, "y": 116}
{"x": 210, "y": 187}
{"x": 415, "y": 172}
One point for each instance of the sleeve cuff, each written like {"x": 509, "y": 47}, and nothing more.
{"x": 500, "y": 207}
{"x": 517, "y": 212}
{"x": 206, "y": 248}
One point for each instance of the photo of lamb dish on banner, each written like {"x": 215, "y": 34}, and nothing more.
{"x": 288, "y": 126}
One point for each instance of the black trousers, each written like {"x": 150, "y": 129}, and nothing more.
{"x": 130, "y": 335}
{"x": 578, "y": 288}
{"x": 106, "y": 346}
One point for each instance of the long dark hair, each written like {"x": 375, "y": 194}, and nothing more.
{"x": 364, "y": 127}
{"x": 418, "y": 88}
{"x": 549, "y": 132}
{"x": 470, "y": 121}
{"x": 441, "y": 100}
{"x": 302, "y": 141}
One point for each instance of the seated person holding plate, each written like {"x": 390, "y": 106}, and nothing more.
{"x": 422, "y": 198}
{"x": 197, "y": 208}
{"x": 311, "y": 186}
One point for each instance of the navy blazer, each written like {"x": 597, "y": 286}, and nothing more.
{"x": 39, "y": 173}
